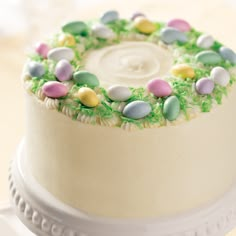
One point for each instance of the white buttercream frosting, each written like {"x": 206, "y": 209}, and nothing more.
{"x": 86, "y": 119}
{"x": 40, "y": 95}
{"x": 28, "y": 86}
{"x": 129, "y": 63}
{"x": 67, "y": 111}
{"x": 51, "y": 103}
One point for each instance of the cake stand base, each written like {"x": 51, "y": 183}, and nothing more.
{"x": 10, "y": 225}
{"x": 45, "y": 215}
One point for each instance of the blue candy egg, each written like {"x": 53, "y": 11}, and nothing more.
{"x": 109, "y": 17}
{"x": 137, "y": 110}
{"x": 228, "y": 54}
{"x": 170, "y": 35}
{"x": 36, "y": 69}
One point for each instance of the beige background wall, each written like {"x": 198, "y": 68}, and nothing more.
{"x": 22, "y": 24}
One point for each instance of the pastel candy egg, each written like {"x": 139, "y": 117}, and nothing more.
{"x": 66, "y": 40}
{"x": 75, "y": 28}
{"x": 136, "y": 14}
{"x": 228, "y": 54}
{"x": 171, "y": 108}
{"x": 119, "y": 93}
{"x": 179, "y": 24}
{"x": 87, "y": 97}
{"x": 42, "y": 49}
{"x": 137, "y": 110}
{"x": 220, "y": 76}
{"x": 36, "y": 69}
{"x": 205, "y": 41}
{"x": 84, "y": 77}
{"x": 60, "y": 53}
{"x": 205, "y": 86}
{"x": 159, "y": 87}
{"x": 63, "y": 70}
{"x": 54, "y": 89}
{"x": 208, "y": 57}
{"x": 183, "y": 71}
{"x": 102, "y": 31}
{"x": 144, "y": 25}
{"x": 109, "y": 17}
{"x": 170, "y": 35}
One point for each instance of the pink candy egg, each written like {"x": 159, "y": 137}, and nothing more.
{"x": 159, "y": 87}
{"x": 179, "y": 24}
{"x": 42, "y": 49}
{"x": 54, "y": 89}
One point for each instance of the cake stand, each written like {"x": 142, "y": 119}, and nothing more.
{"x": 45, "y": 215}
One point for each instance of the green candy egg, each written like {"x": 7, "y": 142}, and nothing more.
{"x": 86, "y": 78}
{"x": 171, "y": 108}
{"x": 75, "y": 28}
{"x": 208, "y": 57}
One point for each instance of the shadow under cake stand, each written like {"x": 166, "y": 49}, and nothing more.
{"x": 45, "y": 215}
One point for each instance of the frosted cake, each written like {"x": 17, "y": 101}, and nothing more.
{"x": 131, "y": 118}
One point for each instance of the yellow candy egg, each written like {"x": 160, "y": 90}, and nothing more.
{"x": 183, "y": 71}
{"x": 144, "y": 25}
{"x": 87, "y": 97}
{"x": 66, "y": 40}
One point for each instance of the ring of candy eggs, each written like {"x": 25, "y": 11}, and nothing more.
{"x": 175, "y": 31}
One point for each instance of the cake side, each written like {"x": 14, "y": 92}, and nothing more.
{"x": 108, "y": 172}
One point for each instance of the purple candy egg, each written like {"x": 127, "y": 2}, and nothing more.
{"x": 54, "y": 89}
{"x": 137, "y": 14}
{"x": 42, "y": 49}
{"x": 63, "y": 70}
{"x": 179, "y": 24}
{"x": 205, "y": 86}
{"x": 159, "y": 87}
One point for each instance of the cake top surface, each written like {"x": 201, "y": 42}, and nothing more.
{"x": 130, "y": 73}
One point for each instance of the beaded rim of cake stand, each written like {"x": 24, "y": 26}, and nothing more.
{"x": 47, "y": 216}
{"x": 199, "y": 79}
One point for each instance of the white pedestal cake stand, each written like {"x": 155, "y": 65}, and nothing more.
{"x": 46, "y": 216}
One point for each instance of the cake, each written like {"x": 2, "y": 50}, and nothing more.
{"x": 130, "y": 119}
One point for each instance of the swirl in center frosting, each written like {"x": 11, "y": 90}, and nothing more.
{"x": 132, "y": 63}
